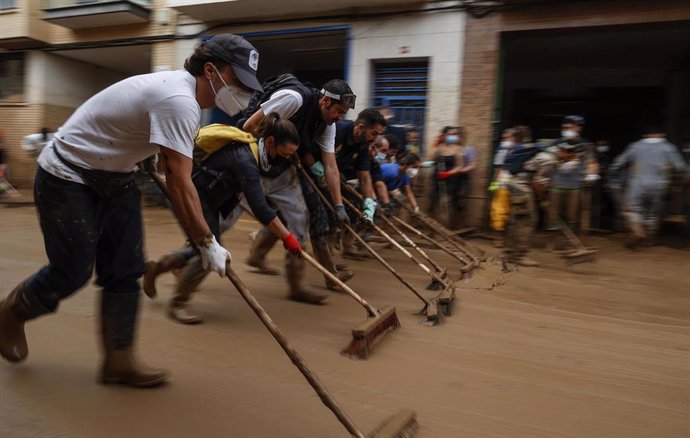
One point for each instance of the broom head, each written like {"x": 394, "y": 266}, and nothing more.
{"x": 446, "y": 299}
{"x": 580, "y": 256}
{"x": 371, "y": 331}
{"x": 402, "y": 425}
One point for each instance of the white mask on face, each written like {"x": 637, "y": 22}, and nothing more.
{"x": 230, "y": 99}
{"x": 602, "y": 149}
{"x": 506, "y": 144}
{"x": 380, "y": 157}
{"x": 568, "y": 134}
{"x": 411, "y": 172}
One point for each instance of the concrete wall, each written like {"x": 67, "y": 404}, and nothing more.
{"x": 436, "y": 36}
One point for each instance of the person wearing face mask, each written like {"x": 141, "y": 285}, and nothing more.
{"x": 89, "y": 206}
{"x": 398, "y": 176}
{"x": 353, "y": 140}
{"x": 314, "y": 113}
{"x": 240, "y": 170}
{"x": 650, "y": 163}
{"x": 574, "y": 153}
{"x": 449, "y": 164}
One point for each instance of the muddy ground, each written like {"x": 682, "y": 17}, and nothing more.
{"x": 598, "y": 350}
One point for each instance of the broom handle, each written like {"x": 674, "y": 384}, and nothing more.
{"x": 294, "y": 356}
{"x": 369, "y": 308}
{"x": 397, "y": 230}
{"x": 428, "y": 239}
{"x": 378, "y": 230}
{"x": 386, "y": 236}
{"x": 569, "y": 234}
{"x": 368, "y": 247}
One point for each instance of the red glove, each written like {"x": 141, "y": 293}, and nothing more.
{"x": 443, "y": 175}
{"x": 292, "y": 244}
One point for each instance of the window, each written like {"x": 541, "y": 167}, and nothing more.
{"x": 12, "y": 77}
{"x": 8, "y": 4}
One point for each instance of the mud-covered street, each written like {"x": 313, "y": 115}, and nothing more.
{"x": 596, "y": 350}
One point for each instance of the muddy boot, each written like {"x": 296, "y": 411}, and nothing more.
{"x": 294, "y": 270}
{"x": 15, "y": 310}
{"x": 525, "y": 262}
{"x": 192, "y": 275}
{"x": 174, "y": 260}
{"x": 350, "y": 249}
{"x": 638, "y": 234}
{"x": 118, "y": 320}
{"x": 324, "y": 257}
{"x": 262, "y": 243}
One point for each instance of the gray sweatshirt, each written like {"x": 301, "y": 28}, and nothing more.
{"x": 650, "y": 162}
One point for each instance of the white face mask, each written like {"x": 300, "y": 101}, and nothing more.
{"x": 230, "y": 99}
{"x": 506, "y": 144}
{"x": 411, "y": 172}
{"x": 380, "y": 157}
{"x": 568, "y": 134}
{"x": 602, "y": 149}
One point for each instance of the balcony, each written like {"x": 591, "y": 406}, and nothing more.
{"x": 81, "y": 14}
{"x": 242, "y": 10}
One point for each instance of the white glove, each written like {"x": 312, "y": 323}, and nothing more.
{"x": 213, "y": 256}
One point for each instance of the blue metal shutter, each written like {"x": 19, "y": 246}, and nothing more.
{"x": 402, "y": 86}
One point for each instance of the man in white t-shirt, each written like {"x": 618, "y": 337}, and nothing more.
{"x": 89, "y": 207}
{"x": 314, "y": 113}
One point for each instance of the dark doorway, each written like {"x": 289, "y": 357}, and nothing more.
{"x": 619, "y": 78}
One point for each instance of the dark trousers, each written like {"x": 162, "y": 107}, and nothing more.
{"x": 82, "y": 230}
{"x": 320, "y": 221}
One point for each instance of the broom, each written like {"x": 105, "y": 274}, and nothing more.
{"x": 447, "y": 296}
{"x": 466, "y": 267}
{"x": 430, "y": 310}
{"x": 434, "y": 285}
{"x": 368, "y": 333}
{"x": 581, "y": 254}
{"x": 402, "y": 425}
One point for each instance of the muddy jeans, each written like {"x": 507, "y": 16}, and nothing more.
{"x": 644, "y": 204}
{"x": 521, "y": 222}
{"x": 564, "y": 199}
{"x": 80, "y": 230}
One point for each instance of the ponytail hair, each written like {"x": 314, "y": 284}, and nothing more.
{"x": 282, "y": 130}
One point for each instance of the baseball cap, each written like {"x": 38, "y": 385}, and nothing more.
{"x": 240, "y": 54}
{"x": 574, "y": 119}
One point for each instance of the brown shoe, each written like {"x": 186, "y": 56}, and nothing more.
{"x": 169, "y": 262}
{"x": 262, "y": 242}
{"x": 120, "y": 367}
{"x": 180, "y": 313}
{"x": 13, "y": 346}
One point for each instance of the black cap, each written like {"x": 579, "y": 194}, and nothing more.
{"x": 241, "y": 55}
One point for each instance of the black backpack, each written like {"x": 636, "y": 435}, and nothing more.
{"x": 270, "y": 86}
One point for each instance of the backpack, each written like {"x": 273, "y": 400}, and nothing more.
{"x": 215, "y": 137}
{"x": 270, "y": 86}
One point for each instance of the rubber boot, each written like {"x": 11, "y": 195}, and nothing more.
{"x": 120, "y": 366}
{"x": 350, "y": 249}
{"x": 192, "y": 275}
{"x": 294, "y": 270}
{"x": 262, "y": 243}
{"x": 174, "y": 260}
{"x": 325, "y": 259}
{"x": 14, "y": 312}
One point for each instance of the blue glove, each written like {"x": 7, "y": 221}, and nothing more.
{"x": 317, "y": 169}
{"x": 369, "y": 209}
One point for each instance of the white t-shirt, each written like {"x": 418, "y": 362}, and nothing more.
{"x": 286, "y": 103}
{"x": 126, "y": 123}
